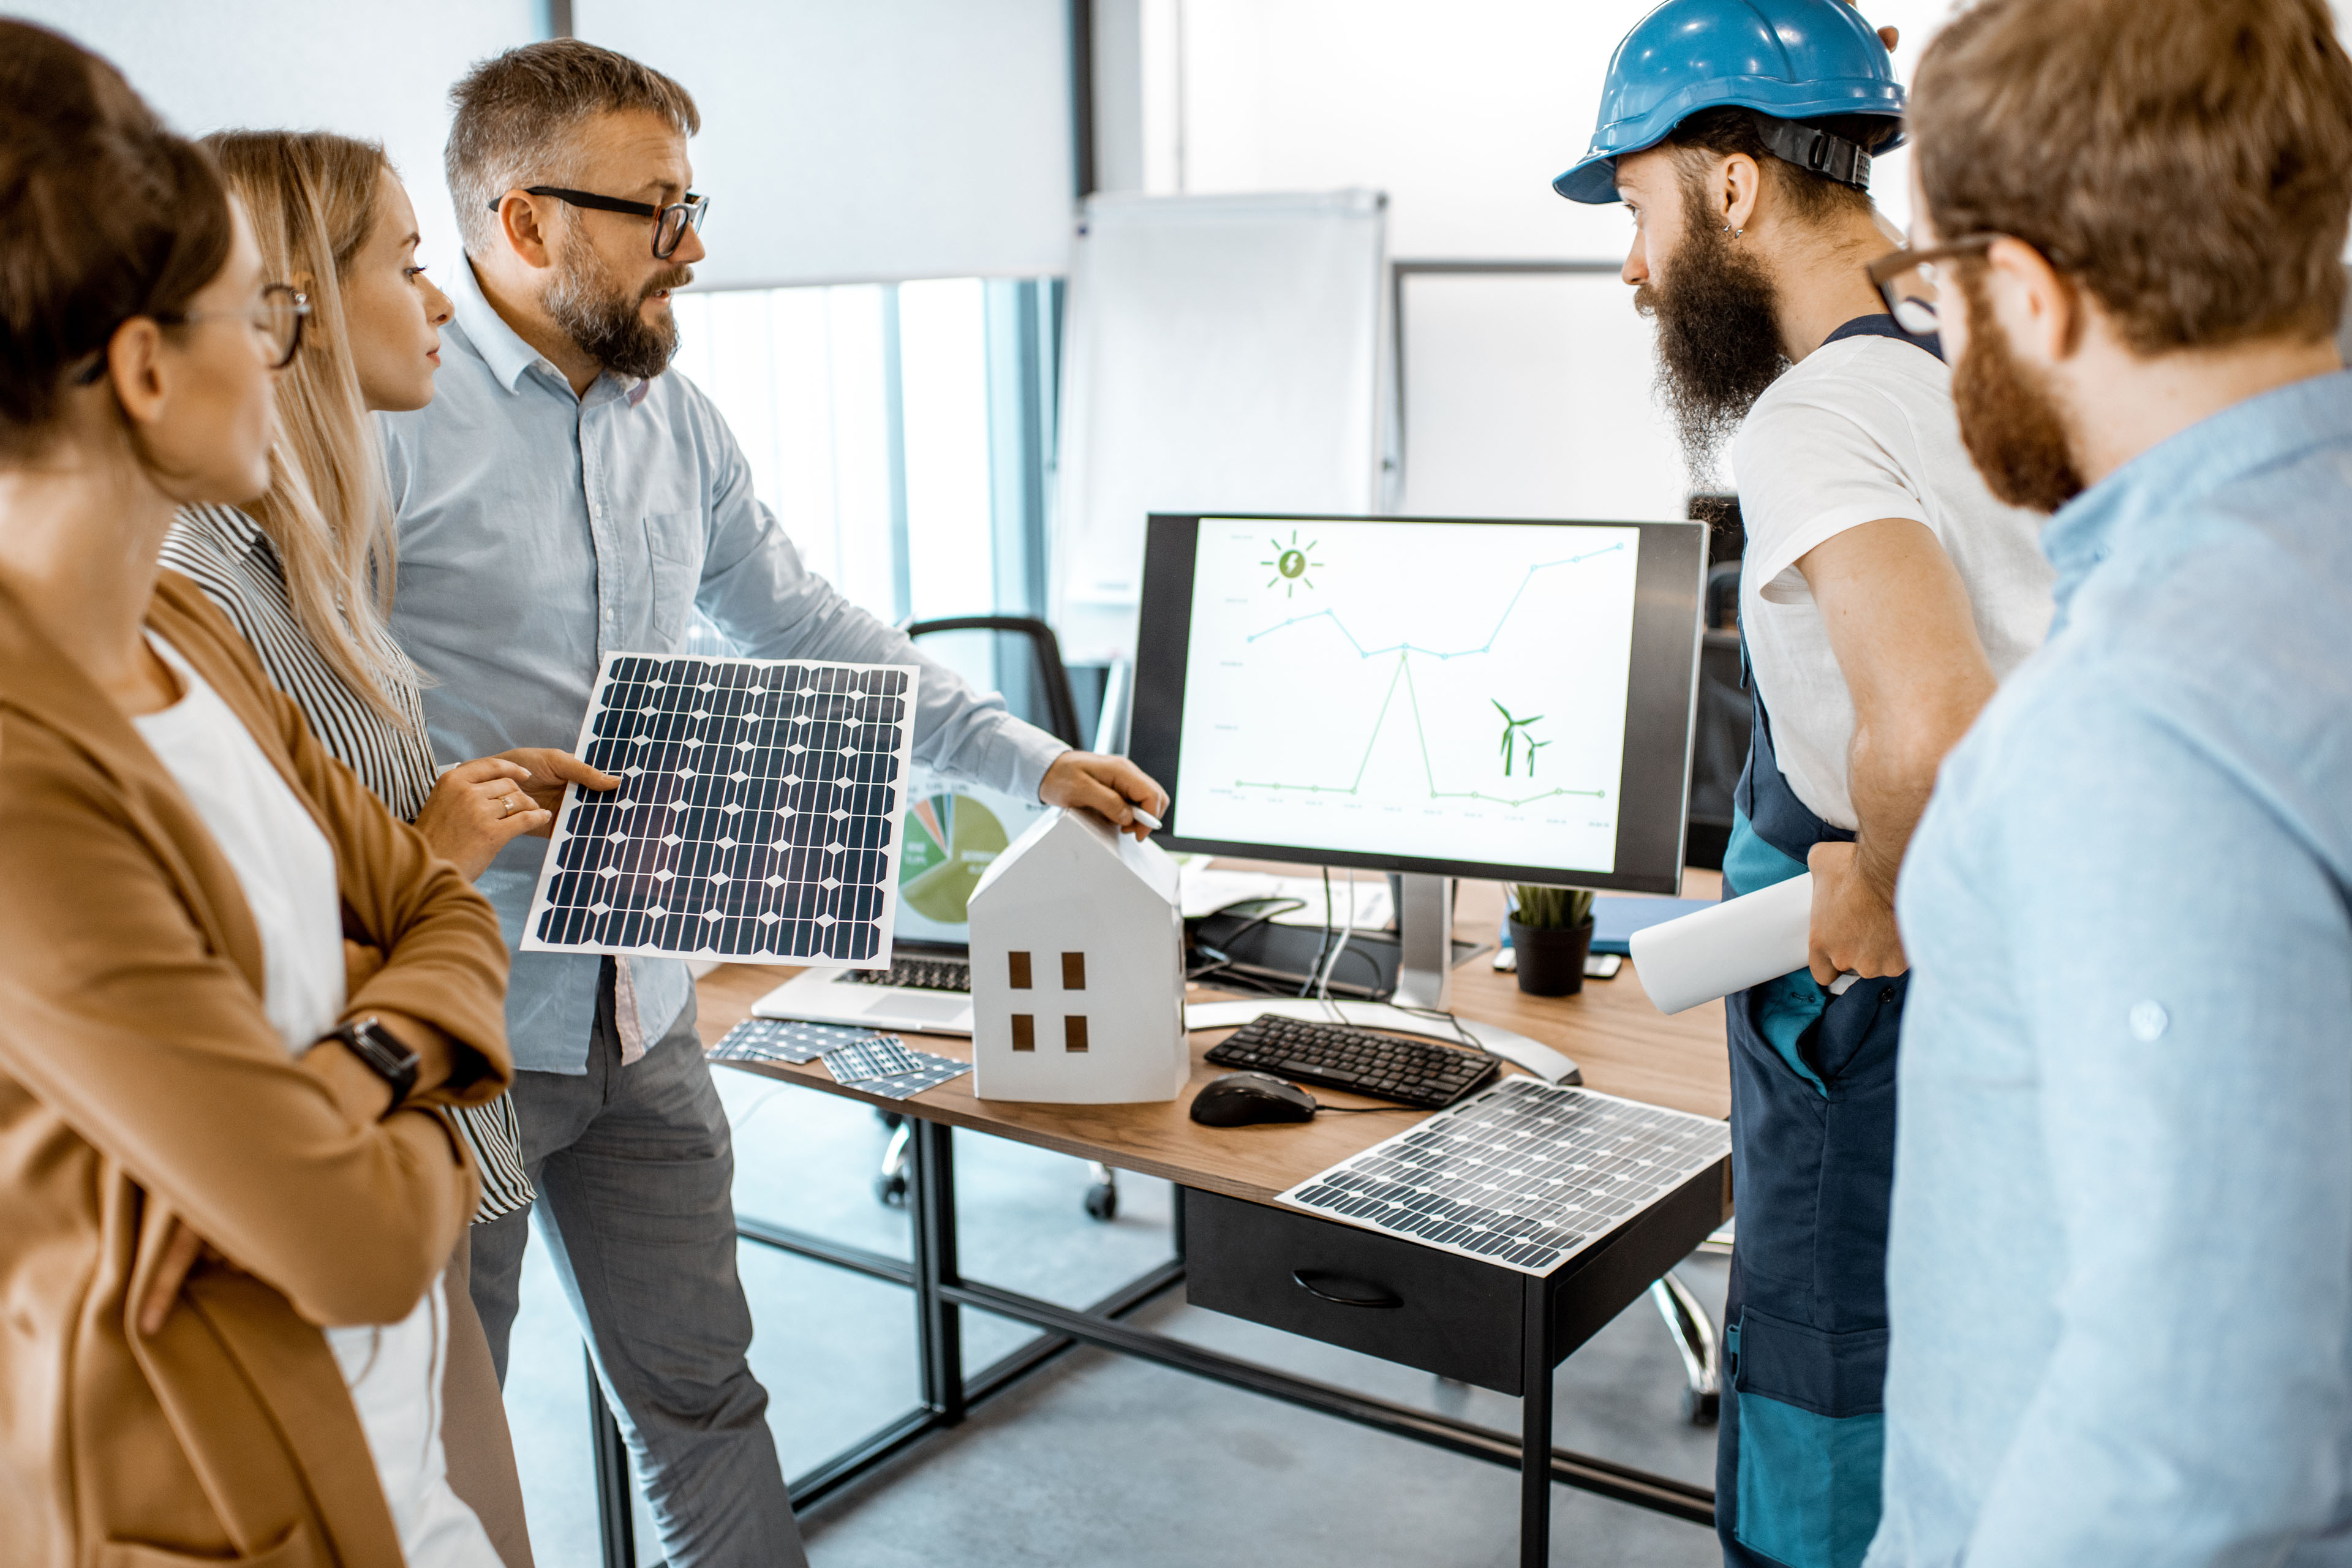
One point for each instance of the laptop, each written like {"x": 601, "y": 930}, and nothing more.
{"x": 954, "y": 831}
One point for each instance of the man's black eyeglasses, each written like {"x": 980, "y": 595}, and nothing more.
{"x": 669, "y": 223}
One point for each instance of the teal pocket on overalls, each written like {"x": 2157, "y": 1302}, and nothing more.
{"x": 1786, "y": 1007}
{"x": 1811, "y": 1437}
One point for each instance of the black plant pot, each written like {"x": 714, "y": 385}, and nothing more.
{"x": 1551, "y": 960}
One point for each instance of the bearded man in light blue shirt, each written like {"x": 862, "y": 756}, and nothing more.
{"x": 2120, "y": 1266}
{"x": 560, "y": 499}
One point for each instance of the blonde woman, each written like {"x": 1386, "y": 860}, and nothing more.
{"x": 305, "y": 573}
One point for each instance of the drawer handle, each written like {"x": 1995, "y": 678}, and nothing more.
{"x": 1376, "y": 1298}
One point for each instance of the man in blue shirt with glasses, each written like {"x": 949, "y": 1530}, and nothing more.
{"x": 560, "y": 499}
{"x": 2120, "y": 1263}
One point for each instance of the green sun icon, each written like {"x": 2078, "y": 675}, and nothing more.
{"x": 1290, "y": 564}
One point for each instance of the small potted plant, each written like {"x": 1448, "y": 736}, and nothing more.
{"x": 1551, "y": 932}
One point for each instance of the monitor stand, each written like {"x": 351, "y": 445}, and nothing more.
{"x": 1426, "y": 941}
{"x": 1424, "y": 981}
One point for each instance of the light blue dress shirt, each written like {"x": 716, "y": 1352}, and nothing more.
{"x": 2121, "y": 1264}
{"x": 539, "y": 531}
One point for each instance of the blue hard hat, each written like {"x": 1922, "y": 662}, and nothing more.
{"x": 1788, "y": 59}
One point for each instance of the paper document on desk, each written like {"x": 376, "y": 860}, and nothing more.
{"x": 1204, "y": 892}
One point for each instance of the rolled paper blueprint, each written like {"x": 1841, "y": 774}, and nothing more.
{"x": 1739, "y": 942}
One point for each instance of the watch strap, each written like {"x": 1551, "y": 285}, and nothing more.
{"x": 384, "y": 1054}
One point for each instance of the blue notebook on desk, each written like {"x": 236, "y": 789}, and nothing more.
{"x": 1614, "y": 920}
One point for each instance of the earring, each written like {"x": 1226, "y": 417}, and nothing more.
{"x": 1733, "y": 232}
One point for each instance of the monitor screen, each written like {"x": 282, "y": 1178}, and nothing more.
{"x": 1510, "y": 699}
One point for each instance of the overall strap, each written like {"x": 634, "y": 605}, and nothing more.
{"x": 1881, "y": 325}
{"x": 1770, "y": 806}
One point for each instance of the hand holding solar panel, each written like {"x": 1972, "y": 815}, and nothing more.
{"x": 758, "y": 819}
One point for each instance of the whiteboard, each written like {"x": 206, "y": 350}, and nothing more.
{"x": 1224, "y": 354}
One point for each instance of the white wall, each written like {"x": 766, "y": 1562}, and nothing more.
{"x": 377, "y": 71}
{"x": 847, "y": 140}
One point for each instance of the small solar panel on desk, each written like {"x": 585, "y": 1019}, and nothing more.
{"x": 758, "y": 819}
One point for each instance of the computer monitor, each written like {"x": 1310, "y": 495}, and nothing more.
{"x": 1438, "y": 697}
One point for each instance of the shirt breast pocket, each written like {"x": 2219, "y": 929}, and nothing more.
{"x": 674, "y": 556}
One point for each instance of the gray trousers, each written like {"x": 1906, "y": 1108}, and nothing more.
{"x": 634, "y": 1167}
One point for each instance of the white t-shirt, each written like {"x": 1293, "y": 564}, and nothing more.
{"x": 1864, "y": 429}
{"x": 286, "y": 872}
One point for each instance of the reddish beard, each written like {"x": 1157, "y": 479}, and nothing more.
{"x": 2011, "y": 426}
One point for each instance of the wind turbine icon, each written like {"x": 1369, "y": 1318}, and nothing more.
{"x": 1514, "y": 733}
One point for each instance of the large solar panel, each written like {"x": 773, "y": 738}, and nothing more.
{"x": 1526, "y": 1175}
{"x": 759, "y": 822}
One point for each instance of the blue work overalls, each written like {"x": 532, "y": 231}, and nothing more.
{"x": 1813, "y": 1136}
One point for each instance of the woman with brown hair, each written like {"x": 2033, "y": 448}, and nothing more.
{"x": 236, "y": 992}
{"x": 306, "y": 573}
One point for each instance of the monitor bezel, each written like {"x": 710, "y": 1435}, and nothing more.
{"x": 1671, "y": 566}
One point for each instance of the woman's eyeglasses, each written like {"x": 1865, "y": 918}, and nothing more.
{"x": 276, "y": 323}
{"x": 670, "y": 223}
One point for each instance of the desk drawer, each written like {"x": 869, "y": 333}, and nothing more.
{"x": 1421, "y": 1307}
{"x": 1416, "y": 1305}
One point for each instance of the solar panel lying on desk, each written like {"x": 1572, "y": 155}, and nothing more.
{"x": 1526, "y": 1175}
{"x": 759, "y": 822}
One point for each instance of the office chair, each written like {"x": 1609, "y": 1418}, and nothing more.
{"x": 1024, "y": 659}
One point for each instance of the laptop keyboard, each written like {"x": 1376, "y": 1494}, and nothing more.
{"x": 1339, "y": 1056}
{"x": 916, "y": 975}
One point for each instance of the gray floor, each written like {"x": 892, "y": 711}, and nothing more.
{"x": 1099, "y": 1459}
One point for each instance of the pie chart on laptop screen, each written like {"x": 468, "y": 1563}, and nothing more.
{"x": 950, "y": 840}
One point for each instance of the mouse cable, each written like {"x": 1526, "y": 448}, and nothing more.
{"x": 1449, "y": 1019}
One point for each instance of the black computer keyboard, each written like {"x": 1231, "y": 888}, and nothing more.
{"x": 917, "y": 974}
{"x": 1418, "y": 1072}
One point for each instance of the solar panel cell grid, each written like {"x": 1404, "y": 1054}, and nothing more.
{"x": 1526, "y": 1174}
{"x": 760, "y": 819}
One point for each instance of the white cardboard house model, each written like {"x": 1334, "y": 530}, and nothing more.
{"x": 1077, "y": 968}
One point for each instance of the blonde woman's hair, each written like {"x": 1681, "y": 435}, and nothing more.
{"x": 314, "y": 199}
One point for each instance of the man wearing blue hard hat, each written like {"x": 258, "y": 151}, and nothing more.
{"x": 1884, "y": 592}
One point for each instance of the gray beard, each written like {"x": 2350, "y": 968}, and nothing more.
{"x": 596, "y": 314}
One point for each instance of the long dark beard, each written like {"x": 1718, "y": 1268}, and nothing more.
{"x": 2012, "y": 426}
{"x": 597, "y": 314}
{"x": 1718, "y": 347}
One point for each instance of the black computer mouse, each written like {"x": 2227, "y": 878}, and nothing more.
{"x": 1246, "y": 1098}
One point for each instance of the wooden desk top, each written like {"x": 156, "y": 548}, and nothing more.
{"x": 1624, "y": 1045}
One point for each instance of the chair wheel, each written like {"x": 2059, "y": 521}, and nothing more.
{"x": 1701, "y": 1409}
{"x": 1102, "y": 1201}
{"x": 890, "y": 1189}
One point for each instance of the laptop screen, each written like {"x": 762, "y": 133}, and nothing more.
{"x": 954, "y": 831}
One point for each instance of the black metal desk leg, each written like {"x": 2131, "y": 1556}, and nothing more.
{"x": 616, "y": 1513}
{"x": 939, "y": 1322}
{"x": 1535, "y": 1426}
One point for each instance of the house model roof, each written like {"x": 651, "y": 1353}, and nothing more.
{"x": 1094, "y": 845}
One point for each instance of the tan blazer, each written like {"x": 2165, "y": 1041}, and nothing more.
{"x": 140, "y": 1079}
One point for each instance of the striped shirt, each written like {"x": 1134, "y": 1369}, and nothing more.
{"x": 225, "y": 554}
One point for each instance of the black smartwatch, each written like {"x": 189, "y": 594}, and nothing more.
{"x": 384, "y": 1056}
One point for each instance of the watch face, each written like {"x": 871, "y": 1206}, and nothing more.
{"x": 385, "y": 1055}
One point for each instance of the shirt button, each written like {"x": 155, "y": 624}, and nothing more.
{"x": 2148, "y": 1020}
